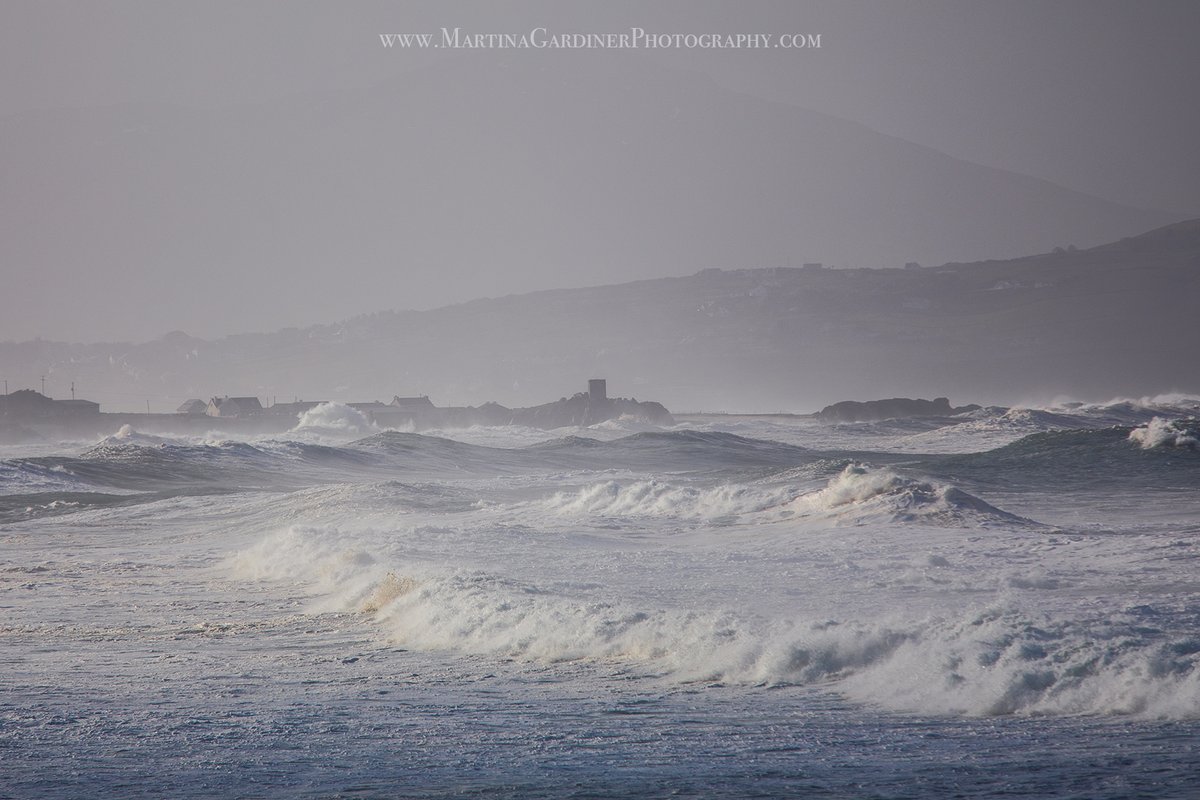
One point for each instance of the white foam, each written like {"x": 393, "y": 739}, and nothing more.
{"x": 858, "y": 494}
{"x": 334, "y": 419}
{"x": 861, "y": 494}
{"x": 627, "y": 424}
{"x": 312, "y": 558}
{"x": 1160, "y": 432}
{"x": 988, "y": 664}
{"x": 1005, "y": 660}
{"x": 1001, "y": 659}
{"x": 126, "y": 434}
{"x": 654, "y": 498}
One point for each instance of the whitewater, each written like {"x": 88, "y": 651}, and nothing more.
{"x": 1000, "y": 602}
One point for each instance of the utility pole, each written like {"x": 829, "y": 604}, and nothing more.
{"x": 147, "y": 405}
{"x": 72, "y": 390}
{"x": 43, "y": 385}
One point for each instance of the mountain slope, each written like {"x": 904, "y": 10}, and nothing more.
{"x": 1116, "y": 319}
{"x": 467, "y": 179}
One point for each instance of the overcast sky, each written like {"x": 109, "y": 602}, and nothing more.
{"x": 1095, "y": 96}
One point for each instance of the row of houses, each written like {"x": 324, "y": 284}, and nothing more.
{"x": 416, "y": 413}
{"x": 26, "y": 404}
{"x": 399, "y": 411}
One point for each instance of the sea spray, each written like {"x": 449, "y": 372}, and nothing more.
{"x": 1160, "y": 432}
{"x": 333, "y": 418}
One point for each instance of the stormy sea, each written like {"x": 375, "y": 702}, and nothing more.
{"x": 1004, "y": 601}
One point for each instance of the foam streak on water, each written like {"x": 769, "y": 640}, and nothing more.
{"x": 1000, "y": 603}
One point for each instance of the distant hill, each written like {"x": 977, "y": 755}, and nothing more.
{"x": 474, "y": 178}
{"x": 1121, "y": 318}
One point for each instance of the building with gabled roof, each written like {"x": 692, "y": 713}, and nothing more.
{"x": 234, "y": 406}
{"x": 75, "y": 407}
{"x": 28, "y": 404}
{"x": 196, "y": 407}
{"x": 422, "y": 403}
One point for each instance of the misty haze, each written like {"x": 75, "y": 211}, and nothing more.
{"x": 768, "y": 399}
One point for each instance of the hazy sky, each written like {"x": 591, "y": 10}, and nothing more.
{"x": 1098, "y": 97}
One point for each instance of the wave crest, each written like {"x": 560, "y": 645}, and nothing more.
{"x": 333, "y": 418}
{"x": 653, "y": 498}
{"x": 999, "y": 660}
{"x": 1160, "y": 432}
{"x": 860, "y": 493}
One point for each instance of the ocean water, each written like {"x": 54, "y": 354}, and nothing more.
{"x": 1002, "y": 603}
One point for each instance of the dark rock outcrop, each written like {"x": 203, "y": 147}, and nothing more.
{"x": 582, "y": 409}
{"x": 892, "y": 408}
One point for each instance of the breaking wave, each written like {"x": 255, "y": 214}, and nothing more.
{"x": 998, "y": 660}
{"x": 690, "y": 450}
{"x": 1160, "y": 432}
{"x": 144, "y": 463}
{"x": 654, "y": 498}
{"x": 1153, "y": 456}
{"x": 860, "y": 493}
{"x": 335, "y": 417}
